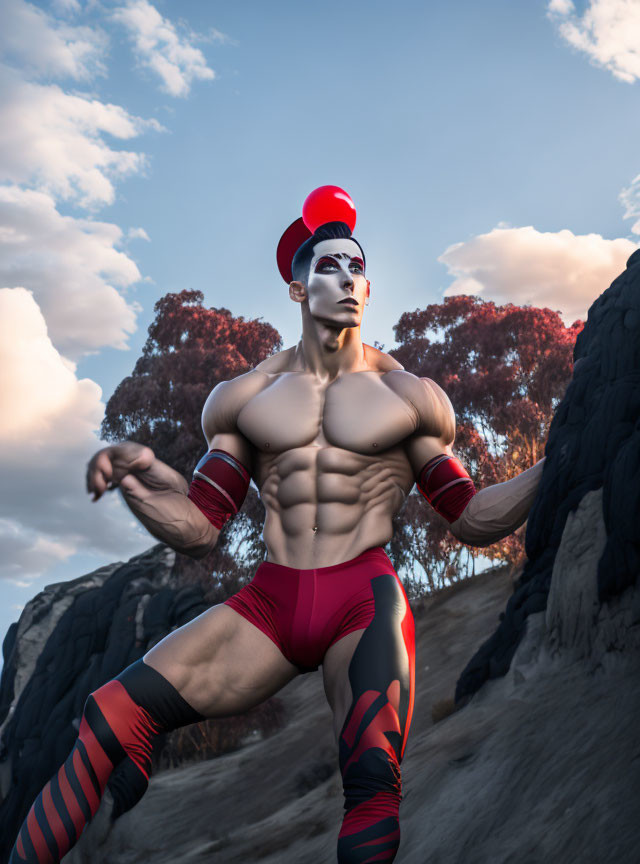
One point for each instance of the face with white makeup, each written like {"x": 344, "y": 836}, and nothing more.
{"x": 336, "y": 288}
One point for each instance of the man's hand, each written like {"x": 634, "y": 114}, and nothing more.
{"x": 110, "y": 465}
{"x": 155, "y": 494}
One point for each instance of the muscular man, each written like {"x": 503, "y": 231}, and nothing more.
{"x": 334, "y": 434}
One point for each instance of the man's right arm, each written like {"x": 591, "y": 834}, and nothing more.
{"x": 155, "y": 494}
{"x": 185, "y": 517}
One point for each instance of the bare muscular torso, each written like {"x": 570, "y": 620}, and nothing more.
{"x": 333, "y": 459}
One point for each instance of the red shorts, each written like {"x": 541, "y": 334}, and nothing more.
{"x": 305, "y": 611}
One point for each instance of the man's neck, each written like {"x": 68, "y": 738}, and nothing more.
{"x": 329, "y": 352}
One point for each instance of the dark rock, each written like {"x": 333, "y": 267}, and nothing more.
{"x": 594, "y": 444}
{"x": 72, "y": 638}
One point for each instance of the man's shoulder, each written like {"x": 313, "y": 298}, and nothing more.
{"x": 228, "y": 398}
{"x": 243, "y": 387}
{"x": 379, "y": 361}
{"x": 434, "y": 412}
{"x": 279, "y": 362}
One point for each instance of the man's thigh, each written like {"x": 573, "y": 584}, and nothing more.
{"x": 377, "y": 659}
{"x": 221, "y": 664}
{"x": 337, "y": 686}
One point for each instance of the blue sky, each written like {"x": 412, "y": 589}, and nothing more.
{"x": 489, "y": 147}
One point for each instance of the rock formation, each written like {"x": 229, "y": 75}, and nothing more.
{"x": 70, "y": 639}
{"x": 593, "y": 446}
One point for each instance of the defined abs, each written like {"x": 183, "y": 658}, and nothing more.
{"x": 322, "y": 503}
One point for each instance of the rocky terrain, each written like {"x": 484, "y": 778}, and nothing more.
{"x": 542, "y": 765}
{"x": 593, "y": 444}
{"x": 71, "y": 638}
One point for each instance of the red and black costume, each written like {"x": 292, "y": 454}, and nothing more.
{"x": 445, "y": 484}
{"x": 304, "y": 612}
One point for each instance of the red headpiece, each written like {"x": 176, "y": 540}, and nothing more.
{"x": 324, "y": 204}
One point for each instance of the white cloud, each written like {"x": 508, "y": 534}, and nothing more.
{"x": 36, "y": 385}
{"x": 159, "y": 47}
{"x": 561, "y": 271}
{"x": 56, "y": 143}
{"x": 561, "y": 7}
{"x": 55, "y": 140}
{"x": 66, "y": 7}
{"x": 608, "y": 31}
{"x": 42, "y": 45}
{"x": 215, "y": 35}
{"x": 73, "y": 268}
{"x": 630, "y": 200}
{"x": 138, "y": 234}
{"x": 62, "y": 287}
{"x": 26, "y": 554}
{"x": 48, "y": 420}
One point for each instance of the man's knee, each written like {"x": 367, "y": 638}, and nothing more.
{"x": 122, "y": 717}
{"x": 374, "y": 771}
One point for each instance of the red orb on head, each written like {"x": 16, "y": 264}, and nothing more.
{"x": 328, "y": 204}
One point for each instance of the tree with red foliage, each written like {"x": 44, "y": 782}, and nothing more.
{"x": 189, "y": 350}
{"x": 505, "y": 369}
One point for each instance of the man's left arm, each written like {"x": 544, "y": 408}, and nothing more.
{"x": 476, "y": 517}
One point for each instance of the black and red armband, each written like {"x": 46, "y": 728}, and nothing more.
{"x": 446, "y": 485}
{"x": 219, "y": 486}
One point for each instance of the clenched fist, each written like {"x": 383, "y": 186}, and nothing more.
{"x": 111, "y": 464}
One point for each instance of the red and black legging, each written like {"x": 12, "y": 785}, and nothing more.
{"x": 374, "y": 734}
{"x": 115, "y": 726}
